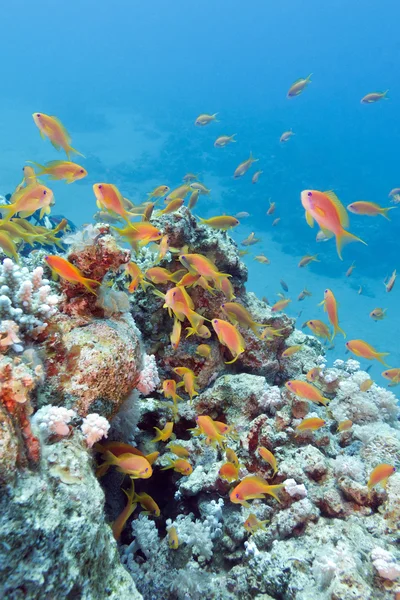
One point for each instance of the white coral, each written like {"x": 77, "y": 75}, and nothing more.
{"x": 148, "y": 378}
{"x": 53, "y": 419}
{"x": 94, "y": 427}
{"x": 295, "y": 489}
{"x": 25, "y": 298}
{"x": 385, "y": 564}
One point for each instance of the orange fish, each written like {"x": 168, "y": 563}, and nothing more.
{"x": 159, "y": 191}
{"x": 229, "y": 472}
{"x": 244, "y": 167}
{"x": 285, "y": 137}
{"x": 374, "y": 97}
{"x": 378, "y": 314}
{"x": 163, "y": 434}
{"x": 137, "y": 277}
{"x": 306, "y": 390}
{"x": 139, "y": 234}
{"x": 380, "y": 474}
{"x": 239, "y": 315}
{"x": 345, "y": 425}
{"x": 148, "y": 503}
{"x": 307, "y": 259}
{"x": 224, "y": 140}
{"x": 393, "y": 375}
{"x": 205, "y": 119}
{"x": 173, "y": 541}
{"x": 268, "y": 457}
{"x": 272, "y": 207}
{"x": 330, "y": 306}
{"x": 175, "y": 336}
{"x": 319, "y": 328}
{"x": 223, "y": 222}
{"x": 250, "y": 240}
{"x": 330, "y": 215}
{"x": 298, "y": 86}
{"x": 137, "y": 467}
{"x": 52, "y": 128}
{"x": 206, "y": 426}
{"x": 252, "y": 524}
{"x": 68, "y": 271}
{"x": 62, "y": 169}
{"x": 227, "y": 289}
{"x": 366, "y": 384}
{"x": 180, "y": 465}
{"x": 230, "y": 337}
{"x": 275, "y": 223}
{"x": 197, "y": 264}
{"x": 169, "y": 390}
{"x": 179, "y": 450}
{"x": 159, "y": 275}
{"x": 189, "y": 381}
{"x": 118, "y": 448}
{"x": 365, "y": 350}
{"x": 251, "y": 487}
{"x": 370, "y": 209}
{"x": 313, "y": 374}
{"x": 194, "y": 197}
{"x": 310, "y": 424}
{"x": 203, "y": 350}
{"x": 292, "y": 350}
{"x": 27, "y": 201}
{"x": 171, "y": 207}
{"x": 231, "y": 456}
{"x": 8, "y": 246}
{"x": 109, "y": 198}
{"x": 280, "y": 305}
{"x": 179, "y": 192}
{"x": 120, "y": 521}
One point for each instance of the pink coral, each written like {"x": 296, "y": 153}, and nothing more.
{"x": 148, "y": 378}
{"x": 94, "y": 427}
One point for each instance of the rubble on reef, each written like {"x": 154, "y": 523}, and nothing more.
{"x": 319, "y": 532}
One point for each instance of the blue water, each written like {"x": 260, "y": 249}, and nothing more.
{"x": 128, "y": 80}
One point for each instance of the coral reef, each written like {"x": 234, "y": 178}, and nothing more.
{"x": 100, "y": 376}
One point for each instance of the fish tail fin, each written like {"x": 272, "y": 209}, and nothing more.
{"x": 41, "y": 167}
{"x": 272, "y": 489}
{"x": 310, "y": 75}
{"x": 71, "y": 149}
{"x": 232, "y": 137}
{"x": 215, "y": 117}
{"x": 158, "y": 436}
{"x": 169, "y": 466}
{"x": 385, "y": 211}
{"x": 90, "y": 284}
{"x": 339, "y": 330}
{"x": 230, "y": 362}
{"x": 345, "y": 237}
{"x": 324, "y": 400}
{"x": 379, "y": 356}
{"x": 384, "y": 95}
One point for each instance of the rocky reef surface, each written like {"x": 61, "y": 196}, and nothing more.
{"x": 77, "y": 367}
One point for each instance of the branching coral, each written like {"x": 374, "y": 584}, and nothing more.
{"x": 26, "y": 299}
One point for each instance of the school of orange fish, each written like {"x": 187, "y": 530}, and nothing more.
{"x": 324, "y": 208}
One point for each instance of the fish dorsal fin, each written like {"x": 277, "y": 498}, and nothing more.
{"x": 61, "y": 126}
{"x": 57, "y": 163}
{"x": 309, "y": 219}
{"x": 256, "y": 478}
{"x": 343, "y": 216}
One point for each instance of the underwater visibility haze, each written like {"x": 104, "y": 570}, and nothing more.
{"x": 199, "y": 244}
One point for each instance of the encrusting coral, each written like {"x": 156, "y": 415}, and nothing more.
{"x": 239, "y": 486}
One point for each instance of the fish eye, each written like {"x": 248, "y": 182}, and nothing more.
{"x": 309, "y": 194}
{"x": 215, "y": 321}
{"x": 38, "y": 115}
{"x": 100, "y": 186}
{"x": 311, "y": 322}
{"x": 237, "y": 495}
{"x": 146, "y": 469}
{"x": 81, "y": 171}
{"x": 44, "y": 192}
